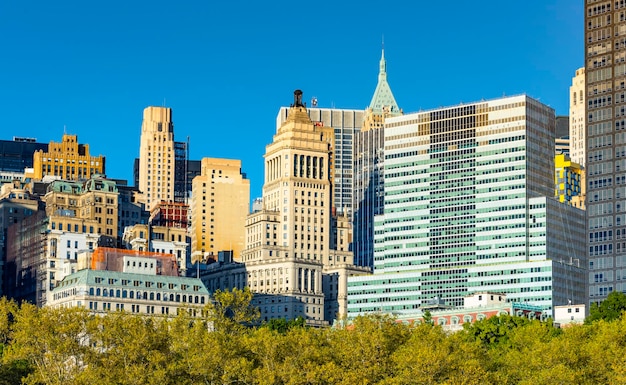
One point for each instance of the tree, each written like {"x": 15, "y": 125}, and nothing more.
{"x": 494, "y": 330}
{"x": 282, "y": 325}
{"x": 232, "y": 310}
{"x": 610, "y": 309}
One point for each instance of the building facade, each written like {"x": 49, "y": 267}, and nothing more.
{"x": 345, "y": 124}
{"x": 569, "y": 181}
{"x": 17, "y": 155}
{"x": 67, "y": 160}
{"x": 16, "y": 203}
{"x": 137, "y": 289}
{"x": 294, "y": 240}
{"x": 469, "y": 207}
{"x": 160, "y": 239}
{"x": 219, "y": 206}
{"x": 156, "y": 156}
{"x": 605, "y": 113}
{"x": 368, "y": 161}
{"x": 577, "y": 118}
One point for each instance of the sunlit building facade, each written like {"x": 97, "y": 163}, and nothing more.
{"x": 469, "y": 207}
{"x": 67, "y": 160}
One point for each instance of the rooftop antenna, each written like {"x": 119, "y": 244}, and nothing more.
{"x": 64, "y": 129}
{"x": 163, "y": 102}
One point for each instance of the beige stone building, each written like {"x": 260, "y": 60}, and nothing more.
{"x": 156, "y": 156}
{"x": 67, "y": 160}
{"x": 577, "y": 118}
{"x": 159, "y": 239}
{"x": 219, "y": 206}
{"x": 88, "y": 207}
{"x": 295, "y": 240}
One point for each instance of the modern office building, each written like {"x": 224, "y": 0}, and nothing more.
{"x": 561, "y": 138}
{"x": 157, "y": 156}
{"x": 297, "y": 237}
{"x": 368, "y": 161}
{"x": 345, "y": 124}
{"x": 569, "y": 180}
{"x": 219, "y": 206}
{"x": 577, "y": 118}
{"x": 605, "y": 163}
{"x": 67, "y": 160}
{"x": 470, "y": 207}
{"x": 17, "y": 154}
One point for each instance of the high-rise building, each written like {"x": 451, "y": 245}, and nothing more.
{"x": 219, "y": 206}
{"x": 569, "y": 181}
{"x": 156, "y": 156}
{"x": 16, "y": 203}
{"x": 297, "y": 238}
{"x": 470, "y": 207}
{"x": 577, "y": 118}
{"x": 345, "y": 124}
{"x": 368, "y": 160}
{"x": 605, "y": 116}
{"x": 67, "y": 160}
{"x": 17, "y": 154}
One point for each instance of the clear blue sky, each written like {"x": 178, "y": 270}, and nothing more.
{"x": 226, "y": 67}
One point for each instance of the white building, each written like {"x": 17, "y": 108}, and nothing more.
{"x": 469, "y": 208}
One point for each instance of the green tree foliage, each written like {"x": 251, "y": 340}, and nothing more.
{"x": 283, "y": 325}
{"x": 610, "y": 309}
{"x": 232, "y": 310}
{"x": 70, "y": 346}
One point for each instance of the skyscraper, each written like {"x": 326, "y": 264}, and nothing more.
{"x": 156, "y": 156}
{"x": 345, "y": 124}
{"x": 219, "y": 205}
{"x": 296, "y": 238}
{"x": 470, "y": 207}
{"x": 577, "y": 118}
{"x": 605, "y": 113}
{"x": 368, "y": 160}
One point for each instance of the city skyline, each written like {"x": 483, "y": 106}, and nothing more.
{"x": 90, "y": 70}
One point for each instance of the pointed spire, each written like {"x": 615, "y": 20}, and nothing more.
{"x": 383, "y": 97}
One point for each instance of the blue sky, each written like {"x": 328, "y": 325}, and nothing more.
{"x": 226, "y": 67}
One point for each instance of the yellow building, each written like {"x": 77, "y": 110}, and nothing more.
{"x": 219, "y": 206}
{"x": 67, "y": 160}
{"x": 156, "y": 156}
{"x": 569, "y": 181}
{"x": 88, "y": 207}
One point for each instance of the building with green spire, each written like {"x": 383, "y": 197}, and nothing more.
{"x": 368, "y": 157}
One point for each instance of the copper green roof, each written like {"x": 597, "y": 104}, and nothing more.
{"x": 383, "y": 97}
{"x": 88, "y": 277}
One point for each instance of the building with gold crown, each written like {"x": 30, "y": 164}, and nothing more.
{"x": 296, "y": 245}
{"x": 67, "y": 160}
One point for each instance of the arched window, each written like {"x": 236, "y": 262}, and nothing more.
{"x": 117, "y": 293}
{"x": 151, "y": 296}
{"x": 91, "y": 291}
{"x": 124, "y": 293}
{"x": 158, "y": 296}
{"x": 98, "y": 291}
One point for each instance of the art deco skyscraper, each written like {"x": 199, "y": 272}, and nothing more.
{"x": 156, "y": 156}
{"x": 605, "y": 96}
{"x": 296, "y": 254}
{"x": 368, "y": 159}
